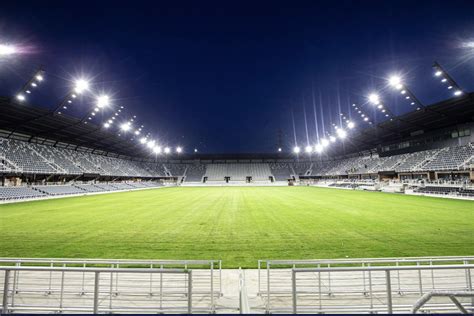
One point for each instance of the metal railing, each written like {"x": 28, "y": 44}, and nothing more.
{"x": 244, "y": 305}
{"x": 100, "y": 293}
{"x": 453, "y": 296}
{"x": 274, "y": 276}
{"x": 206, "y": 280}
{"x": 375, "y": 289}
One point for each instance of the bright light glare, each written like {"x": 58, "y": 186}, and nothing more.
{"x": 396, "y": 82}
{"x": 81, "y": 85}
{"x": 296, "y": 150}
{"x": 308, "y": 149}
{"x": 438, "y": 73}
{"x": 39, "y": 77}
{"x": 279, "y": 149}
{"x": 125, "y": 126}
{"x": 341, "y": 133}
{"x": 143, "y": 140}
{"x": 351, "y": 125}
{"x": 6, "y": 50}
{"x": 374, "y": 98}
{"x": 21, "y": 97}
{"x": 179, "y": 149}
{"x": 167, "y": 150}
{"x": 103, "y": 101}
{"x": 457, "y": 92}
{"x": 319, "y": 148}
{"x": 332, "y": 139}
{"x": 107, "y": 125}
{"x": 151, "y": 144}
{"x": 324, "y": 142}
{"x": 157, "y": 150}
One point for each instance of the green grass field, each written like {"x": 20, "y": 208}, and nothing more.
{"x": 238, "y": 225}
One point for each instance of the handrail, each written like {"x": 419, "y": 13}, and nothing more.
{"x": 384, "y": 268}
{"x": 104, "y": 261}
{"x": 451, "y": 294}
{"x": 244, "y": 305}
{"x": 388, "y": 281}
{"x": 369, "y": 260}
{"x": 97, "y": 272}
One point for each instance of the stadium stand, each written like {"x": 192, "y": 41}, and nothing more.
{"x": 195, "y": 173}
{"x": 59, "y": 189}
{"x": 239, "y": 172}
{"x": 19, "y": 192}
{"x": 280, "y": 171}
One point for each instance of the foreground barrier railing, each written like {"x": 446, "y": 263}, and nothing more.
{"x": 453, "y": 296}
{"x": 207, "y": 276}
{"x": 274, "y": 276}
{"x": 388, "y": 289}
{"x": 99, "y": 294}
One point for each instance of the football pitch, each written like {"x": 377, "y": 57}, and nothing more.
{"x": 238, "y": 225}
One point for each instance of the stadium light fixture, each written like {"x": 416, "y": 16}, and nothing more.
{"x": 8, "y": 50}
{"x": 308, "y": 149}
{"x": 396, "y": 82}
{"x": 81, "y": 85}
{"x": 319, "y": 148}
{"x": 103, "y": 101}
{"x": 332, "y": 139}
{"x": 324, "y": 142}
{"x": 296, "y": 150}
{"x": 350, "y": 125}
{"x": 446, "y": 78}
{"x": 126, "y": 126}
{"x": 195, "y": 150}
{"x": 167, "y": 150}
{"x": 279, "y": 149}
{"x": 30, "y": 85}
{"x": 143, "y": 140}
{"x": 374, "y": 98}
{"x": 157, "y": 149}
{"x": 150, "y": 144}
{"x": 107, "y": 125}
{"x": 341, "y": 133}
{"x": 179, "y": 149}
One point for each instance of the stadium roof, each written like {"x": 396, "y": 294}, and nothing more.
{"x": 39, "y": 123}
{"x": 440, "y": 115}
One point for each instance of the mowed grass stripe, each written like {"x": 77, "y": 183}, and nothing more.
{"x": 238, "y": 225}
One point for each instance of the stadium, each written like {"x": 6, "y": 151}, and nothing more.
{"x": 374, "y": 215}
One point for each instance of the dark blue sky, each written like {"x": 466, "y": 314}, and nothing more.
{"x": 225, "y": 76}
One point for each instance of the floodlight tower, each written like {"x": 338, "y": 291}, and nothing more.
{"x": 397, "y": 83}
{"x": 447, "y": 79}
{"x": 30, "y": 85}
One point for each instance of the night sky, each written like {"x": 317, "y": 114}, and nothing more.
{"x": 226, "y": 76}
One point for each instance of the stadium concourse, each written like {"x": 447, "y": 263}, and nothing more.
{"x": 46, "y": 155}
